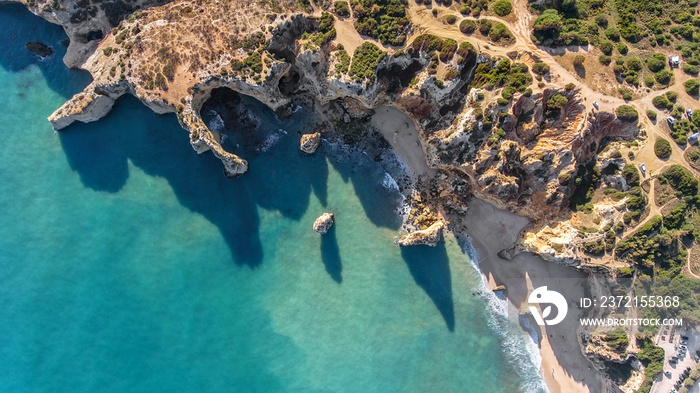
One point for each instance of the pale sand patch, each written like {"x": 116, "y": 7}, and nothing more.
{"x": 565, "y": 369}
{"x": 400, "y": 131}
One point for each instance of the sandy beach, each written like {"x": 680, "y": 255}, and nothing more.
{"x": 491, "y": 230}
{"x": 400, "y": 131}
{"x": 564, "y": 367}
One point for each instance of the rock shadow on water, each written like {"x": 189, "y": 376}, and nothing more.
{"x": 430, "y": 268}
{"x": 379, "y": 203}
{"x": 330, "y": 253}
{"x": 281, "y": 177}
{"x": 18, "y": 26}
{"x": 100, "y": 153}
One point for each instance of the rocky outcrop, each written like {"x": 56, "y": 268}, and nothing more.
{"x": 162, "y": 54}
{"x": 323, "y": 223}
{"x": 309, "y": 142}
{"x": 40, "y": 49}
{"x": 428, "y": 237}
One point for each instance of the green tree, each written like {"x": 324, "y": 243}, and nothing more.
{"x": 578, "y": 60}
{"x": 502, "y": 7}
{"x": 657, "y": 62}
{"x": 627, "y": 113}
{"x": 557, "y": 101}
{"x": 692, "y": 86}
{"x": 612, "y": 33}
{"x": 341, "y": 8}
{"x": 606, "y": 47}
{"x": 549, "y": 20}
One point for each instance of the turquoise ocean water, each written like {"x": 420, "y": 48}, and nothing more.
{"x": 130, "y": 264}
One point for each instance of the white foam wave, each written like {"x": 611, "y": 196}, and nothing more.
{"x": 389, "y": 183}
{"x": 521, "y": 350}
{"x": 215, "y": 123}
{"x": 271, "y": 140}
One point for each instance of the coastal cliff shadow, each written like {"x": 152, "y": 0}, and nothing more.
{"x": 281, "y": 177}
{"x": 100, "y": 153}
{"x": 19, "y": 26}
{"x": 379, "y": 202}
{"x": 330, "y": 253}
{"x": 430, "y": 268}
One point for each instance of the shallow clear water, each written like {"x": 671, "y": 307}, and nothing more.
{"x": 130, "y": 264}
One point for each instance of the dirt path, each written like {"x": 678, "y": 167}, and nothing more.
{"x": 690, "y": 271}
{"x": 425, "y": 22}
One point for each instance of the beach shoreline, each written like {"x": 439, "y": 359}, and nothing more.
{"x": 489, "y": 229}
{"x": 564, "y": 367}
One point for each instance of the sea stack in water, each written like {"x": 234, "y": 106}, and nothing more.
{"x": 309, "y": 142}
{"x": 323, "y": 223}
{"x": 40, "y": 49}
{"x": 428, "y": 237}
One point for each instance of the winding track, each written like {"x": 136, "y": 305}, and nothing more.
{"x": 424, "y": 22}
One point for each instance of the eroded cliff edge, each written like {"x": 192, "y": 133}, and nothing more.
{"x": 520, "y": 154}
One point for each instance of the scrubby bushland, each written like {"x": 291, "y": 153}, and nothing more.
{"x": 365, "y": 61}
{"x": 385, "y": 20}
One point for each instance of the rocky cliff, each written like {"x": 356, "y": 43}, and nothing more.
{"x": 172, "y": 55}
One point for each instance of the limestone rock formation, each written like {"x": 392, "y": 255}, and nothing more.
{"x": 428, "y": 237}
{"x": 309, "y": 142}
{"x": 39, "y": 48}
{"x": 323, "y": 223}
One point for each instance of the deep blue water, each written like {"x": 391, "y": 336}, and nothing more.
{"x": 128, "y": 263}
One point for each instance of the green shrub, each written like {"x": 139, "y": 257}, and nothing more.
{"x": 601, "y": 20}
{"x": 467, "y": 26}
{"x": 502, "y": 101}
{"x": 662, "y": 102}
{"x": 631, "y": 175}
{"x": 341, "y": 8}
{"x": 540, "y": 68}
{"x": 649, "y": 80}
{"x": 465, "y": 10}
{"x": 578, "y": 60}
{"x": 633, "y": 63}
{"x": 627, "y": 113}
{"x": 570, "y": 86}
{"x": 690, "y": 69}
{"x": 663, "y": 77}
{"x": 622, "y": 48}
{"x": 681, "y": 180}
{"x": 365, "y": 61}
{"x": 502, "y": 7}
{"x": 662, "y": 148}
{"x": 451, "y": 19}
{"x": 692, "y": 86}
{"x": 672, "y": 96}
{"x": 385, "y": 20}
{"x": 605, "y": 60}
{"x": 651, "y": 114}
{"x": 606, "y": 47}
{"x": 656, "y": 63}
{"x": 557, "y": 101}
{"x": 625, "y": 93}
{"x": 612, "y": 33}
{"x": 499, "y": 32}
{"x": 343, "y": 64}
{"x": 548, "y": 20}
